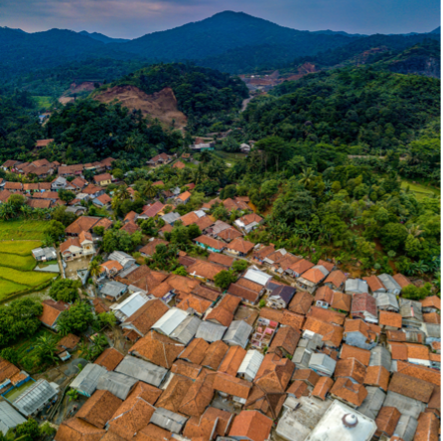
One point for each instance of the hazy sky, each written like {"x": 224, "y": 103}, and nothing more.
{"x": 133, "y": 18}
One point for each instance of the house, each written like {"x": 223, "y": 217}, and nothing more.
{"x": 110, "y": 358}
{"x": 36, "y": 397}
{"x": 125, "y": 260}
{"x": 173, "y": 422}
{"x": 204, "y": 270}
{"x": 431, "y": 304}
{"x": 352, "y": 394}
{"x": 70, "y": 170}
{"x": 9, "y": 417}
{"x": 103, "y": 201}
{"x": 364, "y": 306}
{"x": 402, "y": 280}
{"x": 66, "y": 344}
{"x": 162, "y": 158}
{"x": 76, "y": 247}
{"x": 356, "y": 286}
{"x": 85, "y": 383}
{"x": 44, "y": 254}
{"x": 221, "y": 259}
{"x": 336, "y": 280}
{"x": 51, "y": 312}
{"x": 149, "y": 249}
{"x": 119, "y": 385}
{"x": 360, "y": 334}
{"x": 203, "y": 146}
{"x": 391, "y": 285}
{"x": 375, "y": 285}
{"x": 103, "y": 180}
{"x": 285, "y": 341}
{"x": 183, "y": 198}
{"x": 210, "y": 331}
{"x": 142, "y": 370}
{"x": 151, "y": 210}
{"x": 280, "y": 297}
{"x": 58, "y": 183}
{"x": 322, "y": 364}
{"x": 301, "y": 303}
{"x": 250, "y": 425}
{"x": 170, "y": 218}
{"x": 238, "y": 333}
{"x": 299, "y": 267}
{"x": 248, "y": 222}
{"x": 386, "y": 302}
{"x": 208, "y": 243}
{"x": 128, "y": 307}
{"x": 110, "y": 268}
{"x": 86, "y": 223}
{"x": 113, "y": 290}
{"x": 341, "y": 301}
{"x": 179, "y": 165}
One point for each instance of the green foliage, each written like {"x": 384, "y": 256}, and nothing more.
{"x": 61, "y": 215}
{"x": 19, "y": 320}
{"x": 106, "y": 319}
{"x": 164, "y": 258}
{"x": 76, "y": 319}
{"x": 65, "y": 290}
{"x": 45, "y": 349}
{"x": 181, "y": 271}
{"x": 10, "y": 355}
{"x": 414, "y": 293}
{"x": 224, "y": 278}
{"x": 28, "y": 431}
{"x": 121, "y": 240}
{"x": 240, "y": 265}
{"x": 55, "y": 231}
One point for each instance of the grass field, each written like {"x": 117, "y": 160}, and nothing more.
{"x": 22, "y": 230}
{"x": 24, "y": 263}
{"x": 230, "y": 158}
{"x": 21, "y": 248}
{"x": 421, "y": 191}
{"x": 7, "y": 287}
{"x": 28, "y": 278}
{"x": 43, "y": 101}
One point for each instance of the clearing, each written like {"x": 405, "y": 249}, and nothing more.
{"x": 20, "y": 229}
{"x": 421, "y": 191}
{"x": 43, "y": 101}
{"x": 230, "y": 158}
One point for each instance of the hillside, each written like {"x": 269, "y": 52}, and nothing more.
{"x": 103, "y": 38}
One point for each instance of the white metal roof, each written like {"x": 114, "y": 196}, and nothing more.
{"x": 35, "y": 396}
{"x": 170, "y": 320}
{"x": 132, "y": 304}
{"x": 9, "y": 417}
{"x": 86, "y": 381}
{"x": 251, "y": 363}
{"x": 257, "y": 276}
{"x": 340, "y": 422}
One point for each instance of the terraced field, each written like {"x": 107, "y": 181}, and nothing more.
{"x": 22, "y": 230}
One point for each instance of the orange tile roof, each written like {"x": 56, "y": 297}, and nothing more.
{"x": 172, "y": 397}
{"x": 341, "y": 301}
{"x": 349, "y": 392}
{"x": 327, "y": 315}
{"x": 195, "y": 351}
{"x": 240, "y": 245}
{"x": 76, "y": 429}
{"x": 182, "y": 284}
{"x": 214, "y": 422}
{"x": 285, "y": 339}
{"x": 146, "y": 316}
{"x": 110, "y": 358}
{"x": 374, "y": 283}
{"x": 432, "y": 317}
{"x": 416, "y": 351}
{"x": 431, "y": 302}
{"x": 112, "y": 265}
{"x": 211, "y": 242}
{"x": 51, "y": 311}
{"x": 298, "y": 389}
{"x": 377, "y": 376}
{"x": 411, "y": 387}
{"x": 402, "y": 280}
{"x": 7, "y": 370}
{"x": 190, "y": 370}
{"x": 233, "y": 386}
{"x": 215, "y": 354}
{"x": 251, "y": 424}
{"x": 324, "y": 294}
{"x": 290, "y": 318}
{"x": 99, "y": 408}
{"x": 301, "y": 266}
{"x": 314, "y": 275}
{"x": 322, "y": 387}
{"x": 331, "y": 334}
{"x": 184, "y": 196}
{"x": 399, "y": 351}
{"x": 336, "y": 278}
{"x": 419, "y": 372}
{"x": 221, "y": 316}
{"x": 232, "y": 360}
{"x": 387, "y": 420}
{"x": 153, "y": 433}
{"x": 204, "y": 269}
{"x": 199, "y": 396}
{"x": 358, "y": 325}
{"x": 428, "y": 427}
{"x": 221, "y": 259}
{"x": 308, "y": 376}
{"x": 301, "y": 303}
{"x": 350, "y": 368}
{"x": 392, "y": 319}
{"x": 362, "y": 355}
{"x": 196, "y": 303}
{"x": 274, "y": 373}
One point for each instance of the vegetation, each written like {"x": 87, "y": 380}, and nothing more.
{"x": 22, "y": 229}
{"x": 65, "y": 290}
{"x": 76, "y": 319}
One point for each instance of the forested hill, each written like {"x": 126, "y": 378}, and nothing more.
{"x": 350, "y": 106}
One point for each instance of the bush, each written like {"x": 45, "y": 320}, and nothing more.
{"x": 240, "y": 265}
{"x": 413, "y": 293}
{"x": 65, "y": 290}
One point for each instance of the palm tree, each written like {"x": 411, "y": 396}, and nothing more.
{"x": 115, "y": 202}
{"x": 123, "y": 193}
{"x": 414, "y": 230}
{"x": 72, "y": 394}
{"x": 307, "y": 176}
{"x": 45, "y": 348}
{"x": 94, "y": 268}
{"x": 149, "y": 190}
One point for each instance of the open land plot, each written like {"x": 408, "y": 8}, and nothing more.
{"x": 22, "y": 230}
{"x": 24, "y": 263}
{"x": 28, "y": 278}
{"x": 19, "y": 247}
{"x": 421, "y": 191}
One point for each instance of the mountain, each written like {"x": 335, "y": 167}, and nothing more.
{"x": 436, "y": 30}
{"x": 103, "y": 38}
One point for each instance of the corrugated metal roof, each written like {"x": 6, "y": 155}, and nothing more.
{"x": 238, "y": 333}
{"x": 86, "y": 381}
{"x": 389, "y": 282}
{"x": 210, "y": 331}
{"x": 186, "y": 330}
{"x": 119, "y": 385}
{"x": 406, "y": 428}
{"x": 356, "y": 286}
{"x": 386, "y": 300}
{"x": 35, "y": 396}
{"x": 170, "y": 320}
{"x": 380, "y": 356}
{"x": 9, "y": 417}
{"x": 302, "y": 357}
{"x": 142, "y": 370}
{"x": 322, "y": 362}
{"x": 406, "y": 406}
{"x": 168, "y": 420}
{"x": 131, "y": 304}
{"x": 373, "y": 402}
{"x": 251, "y": 363}
{"x": 257, "y": 276}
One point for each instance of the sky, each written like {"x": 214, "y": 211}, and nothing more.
{"x": 134, "y": 18}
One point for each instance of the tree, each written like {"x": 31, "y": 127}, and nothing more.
{"x": 76, "y": 319}
{"x": 72, "y": 394}
{"x": 193, "y": 231}
{"x": 61, "y": 215}
{"x": 55, "y": 231}
{"x": 10, "y": 355}
{"x": 224, "y": 278}
{"x": 66, "y": 195}
{"x": 240, "y": 265}
{"x": 95, "y": 268}
{"x": 106, "y": 319}
{"x": 45, "y": 348}
{"x": 65, "y": 290}
{"x": 28, "y": 431}
{"x": 181, "y": 271}
{"x": 393, "y": 236}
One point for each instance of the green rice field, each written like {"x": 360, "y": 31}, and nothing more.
{"x": 21, "y": 248}
{"x": 22, "y": 230}
{"x": 28, "y": 278}
{"x": 25, "y": 263}
{"x": 7, "y": 288}
{"x": 421, "y": 191}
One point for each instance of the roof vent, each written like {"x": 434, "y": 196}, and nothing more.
{"x": 349, "y": 420}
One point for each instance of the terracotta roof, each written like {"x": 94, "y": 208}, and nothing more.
{"x": 432, "y": 317}
{"x": 4, "y": 195}
{"x": 327, "y": 315}
{"x": 336, "y": 278}
{"x": 196, "y": 303}
{"x": 269, "y": 404}
{"x": 7, "y": 370}
{"x": 195, "y": 351}
{"x": 358, "y": 325}
{"x": 99, "y": 408}
{"x": 330, "y": 333}
{"x": 51, "y": 311}
{"x": 39, "y": 203}
{"x": 274, "y": 373}
{"x": 417, "y": 351}
{"x": 314, "y": 275}
{"x": 324, "y": 294}
{"x": 232, "y": 360}
{"x": 145, "y": 317}
{"x": 298, "y": 389}
{"x": 301, "y": 303}
{"x": 189, "y": 218}
{"x": 341, "y": 301}
{"x": 229, "y": 234}
{"x": 92, "y": 189}
{"x": 350, "y": 368}
{"x": 149, "y": 248}
{"x": 69, "y": 342}
{"x": 198, "y": 396}
{"x": 153, "y": 209}
{"x": 204, "y": 222}
{"x": 363, "y": 302}
{"x": 252, "y": 425}
{"x": 144, "y": 278}
{"x": 112, "y": 265}
{"x": 290, "y": 318}
{"x": 377, "y": 376}
{"x": 399, "y": 351}
{"x": 204, "y": 269}
{"x": 387, "y": 420}
{"x": 229, "y": 303}
{"x": 206, "y": 292}
{"x": 215, "y": 354}
{"x": 285, "y": 338}
{"x": 301, "y": 266}
{"x": 182, "y": 284}
{"x": 428, "y": 427}
{"x": 158, "y": 349}
{"x": 431, "y": 302}
{"x": 411, "y": 387}
{"x": 264, "y": 251}
{"x": 110, "y": 358}
{"x": 220, "y": 315}
{"x": 249, "y": 284}
{"x": 374, "y": 283}
{"x": 362, "y": 355}
{"x": 13, "y": 186}
{"x": 130, "y": 227}
{"x": 83, "y": 223}
{"x": 214, "y": 422}
{"x": 210, "y": 242}
{"x": 308, "y": 376}
{"x": 179, "y": 165}
{"x": 153, "y": 433}
{"x": 174, "y": 393}
{"x": 402, "y": 280}
{"x": 349, "y": 392}
{"x": 102, "y": 177}
{"x": 190, "y": 370}
{"x": 272, "y": 314}
{"x": 100, "y": 306}
{"x": 221, "y": 259}
{"x": 76, "y": 429}
{"x": 240, "y": 245}
{"x": 322, "y": 387}
{"x": 249, "y": 218}
{"x": 392, "y": 319}
{"x": 232, "y": 385}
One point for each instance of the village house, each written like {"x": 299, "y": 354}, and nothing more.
{"x": 299, "y": 267}
{"x": 102, "y": 201}
{"x": 210, "y": 244}
{"x": 76, "y": 247}
{"x": 248, "y": 222}
{"x": 51, "y": 312}
{"x": 239, "y": 247}
{"x": 183, "y": 198}
{"x": 280, "y": 297}
{"x": 312, "y": 278}
{"x": 160, "y": 159}
{"x": 103, "y": 180}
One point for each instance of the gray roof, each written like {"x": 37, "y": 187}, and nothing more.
{"x": 313, "y": 343}
{"x": 302, "y": 357}
{"x": 186, "y": 330}
{"x": 432, "y": 330}
{"x": 406, "y": 406}
{"x": 257, "y": 276}
{"x": 210, "y": 331}
{"x": 386, "y": 300}
{"x": 9, "y": 417}
{"x": 251, "y": 363}
{"x": 119, "y": 385}
{"x": 357, "y": 286}
{"x": 122, "y": 258}
{"x": 171, "y": 217}
{"x": 33, "y": 398}
{"x": 128, "y": 271}
{"x": 411, "y": 310}
{"x": 113, "y": 288}
{"x": 86, "y": 381}
{"x": 142, "y": 370}
{"x": 49, "y": 253}
{"x": 169, "y": 321}
{"x": 380, "y": 356}
{"x": 168, "y": 420}
{"x": 238, "y": 333}
{"x": 390, "y": 283}
{"x": 219, "y": 226}
{"x": 373, "y": 402}
{"x": 406, "y": 428}
{"x": 322, "y": 362}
